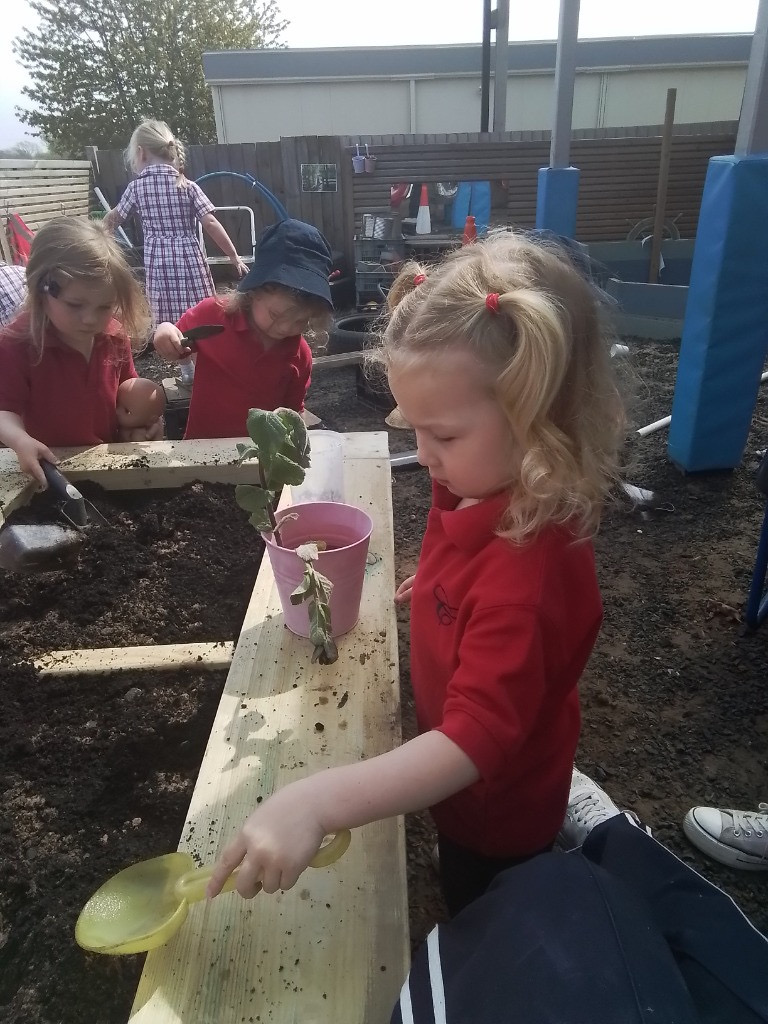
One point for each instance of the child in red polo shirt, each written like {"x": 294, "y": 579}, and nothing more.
{"x": 260, "y": 360}
{"x": 497, "y": 359}
{"x": 64, "y": 356}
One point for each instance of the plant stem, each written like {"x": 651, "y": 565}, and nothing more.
{"x": 270, "y": 510}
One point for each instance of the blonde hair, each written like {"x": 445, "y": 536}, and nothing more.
{"x": 70, "y": 249}
{"x": 541, "y": 337}
{"x": 318, "y": 315}
{"x": 157, "y": 139}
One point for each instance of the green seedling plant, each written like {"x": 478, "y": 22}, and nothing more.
{"x": 280, "y": 443}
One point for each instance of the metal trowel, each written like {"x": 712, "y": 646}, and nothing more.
{"x": 192, "y": 335}
{"x": 35, "y": 547}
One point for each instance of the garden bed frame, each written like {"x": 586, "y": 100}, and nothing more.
{"x": 335, "y": 948}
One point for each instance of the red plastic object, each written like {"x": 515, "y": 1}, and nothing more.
{"x": 20, "y": 237}
{"x": 397, "y": 194}
{"x": 470, "y": 231}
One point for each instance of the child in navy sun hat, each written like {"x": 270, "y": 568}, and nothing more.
{"x": 261, "y": 359}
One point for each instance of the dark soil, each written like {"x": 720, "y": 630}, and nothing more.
{"x": 98, "y": 772}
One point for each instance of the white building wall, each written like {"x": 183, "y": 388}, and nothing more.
{"x": 265, "y": 111}
{"x": 703, "y": 94}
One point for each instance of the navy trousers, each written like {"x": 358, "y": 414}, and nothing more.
{"x": 618, "y": 932}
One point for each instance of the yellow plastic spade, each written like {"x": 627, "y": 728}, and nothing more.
{"x": 141, "y": 907}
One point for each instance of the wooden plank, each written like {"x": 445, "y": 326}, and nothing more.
{"x": 335, "y": 948}
{"x": 47, "y": 165}
{"x": 132, "y": 466}
{"x": 334, "y": 362}
{"x": 19, "y": 181}
{"x": 157, "y": 658}
{"x": 139, "y": 464}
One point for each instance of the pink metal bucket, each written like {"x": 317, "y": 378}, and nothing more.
{"x": 346, "y": 530}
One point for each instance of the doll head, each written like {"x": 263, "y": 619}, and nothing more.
{"x": 140, "y": 402}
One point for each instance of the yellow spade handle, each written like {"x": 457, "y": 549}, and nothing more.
{"x": 192, "y": 885}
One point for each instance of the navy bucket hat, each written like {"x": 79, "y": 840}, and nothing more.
{"x": 295, "y": 255}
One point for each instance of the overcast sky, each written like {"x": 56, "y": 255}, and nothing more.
{"x": 414, "y": 22}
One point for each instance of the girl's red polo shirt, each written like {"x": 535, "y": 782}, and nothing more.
{"x": 234, "y": 373}
{"x": 64, "y": 399}
{"x": 500, "y": 635}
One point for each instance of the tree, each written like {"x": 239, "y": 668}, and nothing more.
{"x": 99, "y": 67}
{"x": 27, "y": 150}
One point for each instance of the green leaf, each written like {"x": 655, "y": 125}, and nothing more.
{"x": 295, "y": 427}
{"x": 252, "y": 498}
{"x": 267, "y": 431}
{"x": 303, "y": 591}
{"x": 261, "y": 522}
{"x": 282, "y": 471}
{"x": 246, "y": 451}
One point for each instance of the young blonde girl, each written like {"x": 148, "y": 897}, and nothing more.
{"x": 497, "y": 359}
{"x": 65, "y": 354}
{"x": 169, "y": 205}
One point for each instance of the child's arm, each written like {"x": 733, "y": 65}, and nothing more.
{"x": 212, "y": 227}
{"x": 28, "y": 449}
{"x": 279, "y": 839}
{"x": 298, "y": 382}
{"x": 168, "y": 344}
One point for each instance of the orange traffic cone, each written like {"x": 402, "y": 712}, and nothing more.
{"x": 470, "y": 231}
{"x": 423, "y": 220}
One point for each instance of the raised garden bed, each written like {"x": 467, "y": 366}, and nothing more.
{"x": 99, "y": 769}
{"x": 675, "y": 712}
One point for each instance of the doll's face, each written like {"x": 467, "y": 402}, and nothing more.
{"x": 139, "y": 402}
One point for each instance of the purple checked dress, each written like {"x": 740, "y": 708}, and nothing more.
{"x": 177, "y": 273}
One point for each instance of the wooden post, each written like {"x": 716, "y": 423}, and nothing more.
{"x": 661, "y": 188}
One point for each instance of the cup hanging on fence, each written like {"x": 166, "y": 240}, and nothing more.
{"x": 358, "y": 161}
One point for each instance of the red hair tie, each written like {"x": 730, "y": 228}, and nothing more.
{"x": 419, "y": 279}
{"x": 492, "y": 302}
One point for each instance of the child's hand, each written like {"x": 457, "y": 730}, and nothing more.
{"x": 275, "y": 844}
{"x": 404, "y": 591}
{"x": 168, "y": 343}
{"x": 152, "y": 432}
{"x": 29, "y": 452}
{"x": 241, "y": 269}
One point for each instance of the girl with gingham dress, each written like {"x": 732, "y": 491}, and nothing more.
{"x": 169, "y": 205}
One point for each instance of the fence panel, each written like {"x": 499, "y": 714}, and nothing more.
{"x": 39, "y": 190}
{"x": 619, "y": 171}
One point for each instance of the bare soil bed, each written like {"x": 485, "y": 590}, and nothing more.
{"x": 98, "y": 772}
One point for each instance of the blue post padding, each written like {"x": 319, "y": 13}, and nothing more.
{"x": 461, "y": 200}
{"x": 725, "y": 333}
{"x": 480, "y": 205}
{"x": 557, "y": 200}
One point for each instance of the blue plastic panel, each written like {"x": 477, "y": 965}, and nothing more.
{"x": 557, "y": 199}
{"x": 725, "y": 335}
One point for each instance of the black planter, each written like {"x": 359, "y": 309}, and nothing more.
{"x": 351, "y": 333}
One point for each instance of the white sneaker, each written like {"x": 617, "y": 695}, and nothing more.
{"x": 736, "y": 838}
{"x": 588, "y": 805}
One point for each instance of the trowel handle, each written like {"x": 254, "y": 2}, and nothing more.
{"x": 58, "y": 483}
{"x": 192, "y": 885}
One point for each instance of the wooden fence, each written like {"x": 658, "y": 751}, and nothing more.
{"x": 39, "y": 190}
{"x": 617, "y": 184}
